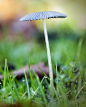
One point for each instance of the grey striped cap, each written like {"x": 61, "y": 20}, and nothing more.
{"x": 42, "y": 15}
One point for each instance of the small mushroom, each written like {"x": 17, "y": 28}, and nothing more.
{"x": 43, "y": 15}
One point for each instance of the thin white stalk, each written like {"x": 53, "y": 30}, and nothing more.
{"x": 49, "y": 56}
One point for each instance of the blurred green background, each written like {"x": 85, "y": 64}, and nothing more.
{"x": 21, "y": 41}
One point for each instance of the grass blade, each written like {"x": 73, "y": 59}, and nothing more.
{"x": 27, "y": 84}
{"x": 4, "y": 82}
{"x": 32, "y": 83}
{"x": 44, "y": 73}
{"x": 41, "y": 88}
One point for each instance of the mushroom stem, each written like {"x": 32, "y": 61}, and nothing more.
{"x": 49, "y": 57}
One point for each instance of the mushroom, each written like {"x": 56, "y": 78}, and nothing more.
{"x": 43, "y": 15}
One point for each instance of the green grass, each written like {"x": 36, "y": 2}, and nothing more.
{"x": 15, "y": 91}
{"x": 70, "y": 81}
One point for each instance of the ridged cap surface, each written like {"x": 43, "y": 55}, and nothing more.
{"x": 42, "y": 15}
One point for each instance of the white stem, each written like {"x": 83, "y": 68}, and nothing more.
{"x": 48, "y": 55}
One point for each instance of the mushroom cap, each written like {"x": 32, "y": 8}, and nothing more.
{"x": 42, "y": 15}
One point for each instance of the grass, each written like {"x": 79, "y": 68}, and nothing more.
{"x": 15, "y": 91}
{"x": 69, "y": 84}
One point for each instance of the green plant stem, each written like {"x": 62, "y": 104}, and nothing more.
{"x": 4, "y": 82}
{"x": 27, "y": 84}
